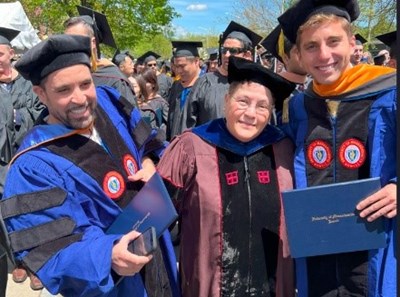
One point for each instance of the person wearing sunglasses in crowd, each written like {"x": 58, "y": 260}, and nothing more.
{"x": 164, "y": 81}
{"x": 206, "y": 100}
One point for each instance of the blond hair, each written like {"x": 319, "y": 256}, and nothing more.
{"x": 322, "y": 18}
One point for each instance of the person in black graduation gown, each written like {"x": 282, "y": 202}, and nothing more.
{"x": 186, "y": 61}
{"x": 207, "y": 97}
{"x": 19, "y": 108}
{"x": 95, "y": 25}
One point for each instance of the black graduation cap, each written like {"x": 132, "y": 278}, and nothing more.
{"x": 147, "y": 57}
{"x": 7, "y": 34}
{"x": 242, "y": 70}
{"x": 212, "y": 54}
{"x": 118, "y": 57}
{"x": 237, "y": 31}
{"x": 54, "y": 53}
{"x": 274, "y": 43}
{"x": 379, "y": 59}
{"x": 388, "y": 38}
{"x": 126, "y": 52}
{"x": 299, "y": 13}
{"x": 360, "y": 39}
{"x": 167, "y": 63}
{"x": 100, "y": 25}
{"x": 186, "y": 48}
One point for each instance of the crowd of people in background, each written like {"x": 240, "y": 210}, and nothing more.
{"x": 222, "y": 132}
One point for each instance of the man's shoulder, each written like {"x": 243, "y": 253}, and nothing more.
{"x": 107, "y": 92}
{"x": 176, "y": 86}
{"x": 164, "y": 77}
{"x": 211, "y": 80}
{"x": 372, "y": 79}
{"x": 213, "y": 77}
{"x": 21, "y": 84}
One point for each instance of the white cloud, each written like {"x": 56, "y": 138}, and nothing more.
{"x": 197, "y": 7}
{"x": 179, "y": 31}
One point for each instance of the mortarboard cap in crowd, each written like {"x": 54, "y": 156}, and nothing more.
{"x": 274, "y": 43}
{"x": 167, "y": 63}
{"x": 299, "y": 13}
{"x": 243, "y": 70}
{"x": 380, "y": 58}
{"x": 7, "y": 34}
{"x": 186, "y": 48}
{"x": 147, "y": 57}
{"x": 126, "y": 52}
{"x": 237, "y": 31}
{"x": 360, "y": 40}
{"x": 54, "y": 53}
{"x": 212, "y": 54}
{"x": 388, "y": 39}
{"x": 100, "y": 26}
{"x": 118, "y": 57}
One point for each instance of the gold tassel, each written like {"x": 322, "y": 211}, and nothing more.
{"x": 285, "y": 111}
{"x": 93, "y": 60}
{"x": 281, "y": 45}
{"x": 333, "y": 106}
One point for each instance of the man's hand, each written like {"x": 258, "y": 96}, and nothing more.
{"x": 123, "y": 261}
{"x": 382, "y": 203}
{"x": 147, "y": 171}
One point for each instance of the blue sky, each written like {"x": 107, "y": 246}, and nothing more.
{"x": 202, "y": 17}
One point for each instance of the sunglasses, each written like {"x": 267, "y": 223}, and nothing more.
{"x": 151, "y": 64}
{"x": 232, "y": 50}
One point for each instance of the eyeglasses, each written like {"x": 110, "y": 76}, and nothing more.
{"x": 232, "y": 50}
{"x": 244, "y": 104}
{"x": 151, "y": 64}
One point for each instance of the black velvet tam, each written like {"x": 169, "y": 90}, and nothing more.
{"x": 242, "y": 70}
{"x": 299, "y": 13}
{"x": 54, "y": 53}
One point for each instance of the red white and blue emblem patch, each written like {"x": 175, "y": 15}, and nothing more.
{"x": 319, "y": 154}
{"x": 352, "y": 153}
{"x": 113, "y": 184}
{"x": 130, "y": 165}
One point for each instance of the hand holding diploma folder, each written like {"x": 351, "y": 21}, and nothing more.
{"x": 151, "y": 207}
{"x": 323, "y": 219}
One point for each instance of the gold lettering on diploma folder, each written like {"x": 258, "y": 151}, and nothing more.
{"x": 331, "y": 219}
{"x": 139, "y": 223}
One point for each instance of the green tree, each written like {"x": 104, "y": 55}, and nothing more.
{"x": 158, "y": 43}
{"x": 130, "y": 20}
{"x": 377, "y": 17}
{"x": 260, "y": 15}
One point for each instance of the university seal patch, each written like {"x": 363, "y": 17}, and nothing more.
{"x": 319, "y": 154}
{"x": 352, "y": 153}
{"x": 130, "y": 165}
{"x": 113, "y": 184}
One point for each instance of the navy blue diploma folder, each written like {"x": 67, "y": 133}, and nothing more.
{"x": 324, "y": 220}
{"x": 151, "y": 206}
